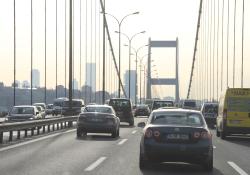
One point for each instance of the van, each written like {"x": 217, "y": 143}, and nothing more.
{"x": 234, "y": 112}
{"x": 57, "y": 105}
{"x": 123, "y": 109}
{"x": 161, "y": 103}
{"x": 76, "y": 108}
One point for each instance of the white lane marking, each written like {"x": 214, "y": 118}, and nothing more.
{"x": 214, "y": 147}
{"x": 134, "y": 131}
{"x": 95, "y": 164}
{"x": 237, "y": 168}
{"x": 33, "y": 141}
{"x": 122, "y": 141}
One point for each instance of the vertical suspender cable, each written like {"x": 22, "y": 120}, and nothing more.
{"x": 242, "y": 49}
{"x": 217, "y": 58}
{"x": 104, "y": 46}
{"x": 99, "y": 56}
{"x": 213, "y": 80}
{"x": 228, "y": 18}
{"x": 45, "y": 51}
{"x": 73, "y": 44}
{"x": 210, "y": 50}
{"x": 234, "y": 44}
{"x": 65, "y": 48}
{"x": 14, "y": 83}
{"x": 95, "y": 46}
{"x": 80, "y": 82}
{"x": 86, "y": 49}
{"x": 91, "y": 47}
{"x": 56, "y": 48}
{"x": 222, "y": 43}
{"x": 31, "y": 55}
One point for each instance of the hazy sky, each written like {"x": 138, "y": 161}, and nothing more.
{"x": 161, "y": 19}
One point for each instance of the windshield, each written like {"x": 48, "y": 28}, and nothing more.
{"x": 98, "y": 109}
{"x": 190, "y": 104}
{"x": 159, "y": 104}
{"x": 210, "y": 109}
{"x": 177, "y": 119}
{"x": 120, "y": 103}
{"x": 74, "y": 104}
{"x": 22, "y": 110}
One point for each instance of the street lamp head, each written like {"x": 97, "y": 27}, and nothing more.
{"x": 135, "y": 13}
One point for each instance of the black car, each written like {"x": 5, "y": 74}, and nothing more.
{"x": 176, "y": 135}
{"x": 123, "y": 109}
{"x": 98, "y": 119}
{"x": 161, "y": 103}
{"x": 77, "y": 106}
{"x": 210, "y": 113}
{"x": 142, "y": 110}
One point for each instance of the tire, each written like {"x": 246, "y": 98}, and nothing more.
{"x": 223, "y": 135}
{"x": 131, "y": 123}
{"x": 114, "y": 134}
{"x": 217, "y": 132}
{"x": 78, "y": 133}
{"x": 143, "y": 164}
{"x": 208, "y": 165}
{"x": 118, "y": 133}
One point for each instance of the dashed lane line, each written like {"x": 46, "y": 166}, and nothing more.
{"x": 237, "y": 168}
{"x": 95, "y": 164}
{"x": 122, "y": 141}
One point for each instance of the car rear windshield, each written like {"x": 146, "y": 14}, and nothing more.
{"x": 120, "y": 103}
{"x": 98, "y": 109}
{"x": 22, "y": 110}
{"x": 211, "y": 109}
{"x": 159, "y": 104}
{"x": 192, "y": 119}
{"x": 190, "y": 104}
{"x": 74, "y": 104}
{"x": 236, "y": 104}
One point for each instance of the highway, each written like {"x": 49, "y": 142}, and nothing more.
{"x": 61, "y": 153}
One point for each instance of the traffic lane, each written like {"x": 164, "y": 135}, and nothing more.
{"x": 234, "y": 149}
{"x": 59, "y": 155}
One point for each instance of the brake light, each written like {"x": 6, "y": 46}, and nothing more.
{"x": 148, "y": 133}
{"x": 224, "y": 114}
{"x": 197, "y": 135}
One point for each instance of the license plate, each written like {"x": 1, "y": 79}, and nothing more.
{"x": 177, "y": 136}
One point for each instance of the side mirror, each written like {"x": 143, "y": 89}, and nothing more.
{"x": 141, "y": 124}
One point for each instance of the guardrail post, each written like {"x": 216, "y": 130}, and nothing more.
{"x": 25, "y": 133}
{"x": 43, "y": 129}
{"x": 11, "y": 136}
{"x": 1, "y": 137}
{"x": 38, "y": 130}
{"x": 53, "y": 127}
{"x": 18, "y": 134}
{"x": 57, "y": 125}
{"x": 32, "y": 131}
{"x": 61, "y": 125}
{"x": 70, "y": 124}
{"x": 48, "y": 128}
{"x": 65, "y": 124}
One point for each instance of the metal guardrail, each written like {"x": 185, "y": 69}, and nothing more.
{"x": 56, "y": 123}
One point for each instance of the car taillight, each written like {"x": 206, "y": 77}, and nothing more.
{"x": 202, "y": 135}
{"x": 157, "y": 134}
{"x": 148, "y": 133}
{"x": 224, "y": 114}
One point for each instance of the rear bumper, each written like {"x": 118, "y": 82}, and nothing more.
{"x": 97, "y": 128}
{"x": 190, "y": 153}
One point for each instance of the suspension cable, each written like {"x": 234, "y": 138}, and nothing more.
{"x": 242, "y": 49}
{"x": 234, "y": 44}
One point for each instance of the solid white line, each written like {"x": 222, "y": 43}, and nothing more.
{"x": 237, "y": 168}
{"x": 33, "y": 141}
{"x": 122, "y": 141}
{"x": 95, "y": 164}
{"x": 134, "y": 132}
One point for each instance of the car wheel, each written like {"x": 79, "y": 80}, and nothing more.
{"x": 217, "y": 132}
{"x": 114, "y": 134}
{"x": 78, "y": 133}
{"x": 208, "y": 165}
{"x": 223, "y": 135}
{"x": 131, "y": 123}
{"x": 118, "y": 133}
{"x": 142, "y": 162}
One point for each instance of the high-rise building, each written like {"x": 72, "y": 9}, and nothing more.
{"x": 75, "y": 84}
{"x": 91, "y": 76}
{"x": 25, "y": 84}
{"x": 35, "y": 78}
{"x": 132, "y": 83}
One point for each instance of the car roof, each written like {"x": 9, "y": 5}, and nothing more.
{"x": 24, "y": 106}
{"x": 159, "y": 111}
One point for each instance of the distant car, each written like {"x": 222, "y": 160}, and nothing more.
{"x": 41, "y": 111}
{"x": 3, "y": 116}
{"x": 188, "y": 104}
{"x": 210, "y": 113}
{"x": 176, "y": 135}
{"x": 23, "y": 113}
{"x": 77, "y": 106}
{"x": 162, "y": 103}
{"x": 142, "y": 110}
{"x": 98, "y": 119}
{"x": 43, "y": 105}
{"x": 49, "y": 109}
{"x": 58, "y": 104}
{"x": 123, "y": 109}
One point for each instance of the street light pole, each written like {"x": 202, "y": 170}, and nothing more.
{"x": 119, "y": 61}
{"x": 130, "y": 45}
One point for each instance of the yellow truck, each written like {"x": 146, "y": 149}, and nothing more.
{"x": 234, "y": 112}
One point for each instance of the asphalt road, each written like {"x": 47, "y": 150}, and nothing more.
{"x": 62, "y": 153}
